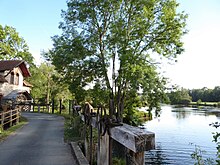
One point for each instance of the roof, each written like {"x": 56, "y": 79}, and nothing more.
{"x": 15, "y": 93}
{"x": 10, "y": 64}
{"x": 2, "y": 79}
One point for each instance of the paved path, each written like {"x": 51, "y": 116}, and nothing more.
{"x": 40, "y": 142}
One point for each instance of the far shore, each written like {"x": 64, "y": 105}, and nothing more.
{"x": 214, "y": 104}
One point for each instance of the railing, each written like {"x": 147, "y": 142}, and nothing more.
{"x": 134, "y": 139}
{"x": 9, "y": 117}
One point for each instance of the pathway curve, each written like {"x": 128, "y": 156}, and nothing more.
{"x": 40, "y": 142}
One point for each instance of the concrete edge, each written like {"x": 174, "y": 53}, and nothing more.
{"x": 78, "y": 155}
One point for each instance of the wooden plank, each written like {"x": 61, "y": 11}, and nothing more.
{"x": 103, "y": 150}
{"x": 80, "y": 158}
{"x": 133, "y": 138}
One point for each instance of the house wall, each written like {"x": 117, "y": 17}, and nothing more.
{"x": 6, "y": 88}
{"x": 15, "y": 71}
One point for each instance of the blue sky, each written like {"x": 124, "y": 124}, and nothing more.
{"x": 37, "y": 21}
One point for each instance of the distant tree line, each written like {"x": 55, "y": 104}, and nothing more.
{"x": 185, "y": 96}
{"x": 205, "y": 94}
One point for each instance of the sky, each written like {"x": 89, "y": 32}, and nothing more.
{"x": 199, "y": 66}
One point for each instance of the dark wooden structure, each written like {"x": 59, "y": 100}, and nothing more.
{"x": 134, "y": 139}
{"x": 9, "y": 117}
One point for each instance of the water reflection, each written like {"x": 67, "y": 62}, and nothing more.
{"x": 177, "y": 128}
{"x": 157, "y": 157}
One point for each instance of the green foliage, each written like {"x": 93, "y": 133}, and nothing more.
{"x": 179, "y": 96}
{"x": 116, "y": 43}
{"x": 73, "y": 129}
{"x": 117, "y": 161}
{"x": 12, "y": 46}
{"x": 97, "y": 95}
{"x": 216, "y": 139}
{"x": 199, "y": 102}
{"x": 47, "y": 85}
{"x": 206, "y": 94}
{"x": 197, "y": 155}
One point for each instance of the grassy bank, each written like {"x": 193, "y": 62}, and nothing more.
{"x": 4, "y": 134}
{"x": 214, "y": 104}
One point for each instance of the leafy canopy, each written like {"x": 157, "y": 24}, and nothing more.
{"x": 46, "y": 85}
{"x": 116, "y": 43}
{"x": 12, "y": 46}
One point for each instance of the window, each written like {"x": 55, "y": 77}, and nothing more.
{"x": 12, "y": 78}
{"x": 17, "y": 79}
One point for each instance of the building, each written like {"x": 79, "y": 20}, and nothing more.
{"x": 13, "y": 85}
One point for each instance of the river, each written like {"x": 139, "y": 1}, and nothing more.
{"x": 178, "y": 131}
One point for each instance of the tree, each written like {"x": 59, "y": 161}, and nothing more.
{"x": 180, "y": 96}
{"x": 12, "y": 46}
{"x": 115, "y": 42}
{"x": 46, "y": 84}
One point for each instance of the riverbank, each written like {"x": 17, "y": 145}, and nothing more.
{"x": 212, "y": 104}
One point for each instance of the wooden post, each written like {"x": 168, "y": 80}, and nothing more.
{"x": 134, "y": 158}
{"x": 53, "y": 106}
{"x": 2, "y": 120}
{"x": 33, "y": 105}
{"x": 10, "y": 117}
{"x": 17, "y": 116}
{"x": 48, "y": 108}
{"x": 110, "y": 150}
{"x": 90, "y": 149}
{"x": 38, "y": 108}
{"x": 135, "y": 139}
{"x": 60, "y": 106}
{"x": 103, "y": 150}
{"x": 103, "y": 144}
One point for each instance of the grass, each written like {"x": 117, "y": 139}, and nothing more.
{"x": 73, "y": 128}
{"x": 4, "y": 134}
{"x": 215, "y": 104}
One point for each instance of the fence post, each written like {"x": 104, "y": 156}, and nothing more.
{"x": 17, "y": 116}
{"x": 48, "y": 108}
{"x": 10, "y": 117}
{"x": 53, "y": 106}
{"x": 103, "y": 150}
{"x": 33, "y": 105}
{"x": 38, "y": 108}
{"x": 60, "y": 106}
{"x": 134, "y": 158}
{"x": 2, "y": 120}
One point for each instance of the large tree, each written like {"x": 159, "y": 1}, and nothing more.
{"x": 46, "y": 86}
{"x": 12, "y": 46}
{"x": 117, "y": 42}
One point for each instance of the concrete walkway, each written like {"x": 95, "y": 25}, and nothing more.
{"x": 40, "y": 142}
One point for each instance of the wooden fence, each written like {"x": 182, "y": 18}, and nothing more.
{"x": 134, "y": 140}
{"x": 9, "y": 117}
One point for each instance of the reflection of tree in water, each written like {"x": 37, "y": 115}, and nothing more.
{"x": 181, "y": 113}
{"x": 156, "y": 156}
{"x": 150, "y": 114}
{"x": 157, "y": 113}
